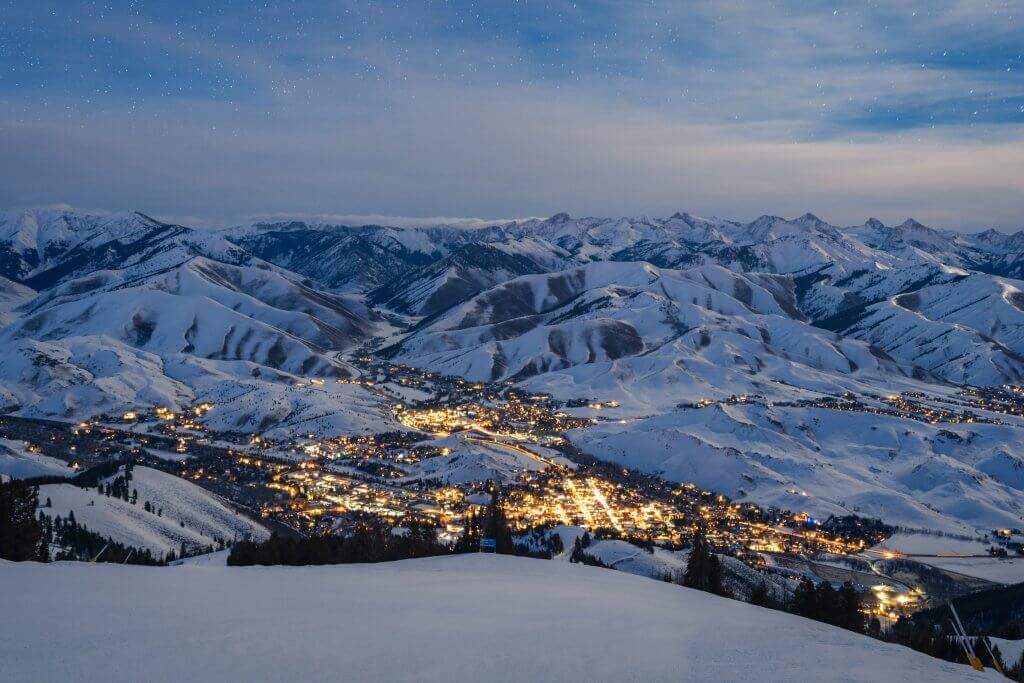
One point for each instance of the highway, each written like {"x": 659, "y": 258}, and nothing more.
{"x": 513, "y": 447}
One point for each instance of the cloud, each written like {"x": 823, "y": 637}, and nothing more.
{"x": 352, "y": 111}
{"x": 479, "y": 154}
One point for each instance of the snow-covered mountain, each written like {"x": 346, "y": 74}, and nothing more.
{"x": 703, "y": 317}
{"x": 838, "y": 273}
{"x": 652, "y": 339}
{"x": 466, "y": 271}
{"x": 131, "y": 311}
{"x": 104, "y": 312}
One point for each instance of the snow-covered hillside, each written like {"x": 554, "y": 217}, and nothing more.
{"x": 836, "y": 272}
{"x": 17, "y": 462}
{"x": 705, "y": 320}
{"x": 181, "y": 513}
{"x": 134, "y": 312}
{"x": 504, "y": 619}
{"x": 960, "y": 478}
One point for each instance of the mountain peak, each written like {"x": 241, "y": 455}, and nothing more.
{"x": 911, "y": 224}
{"x": 874, "y": 223}
{"x": 561, "y": 217}
{"x": 809, "y": 219}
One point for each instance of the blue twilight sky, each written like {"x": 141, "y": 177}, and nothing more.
{"x": 224, "y": 111}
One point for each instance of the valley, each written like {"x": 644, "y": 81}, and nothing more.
{"x": 460, "y": 442}
{"x": 634, "y": 379}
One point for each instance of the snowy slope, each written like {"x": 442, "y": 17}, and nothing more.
{"x": 1009, "y": 570}
{"x": 959, "y": 478}
{"x": 419, "y": 620}
{"x": 837, "y": 272}
{"x": 606, "y": 311}
{"x": 463, "y": 273}
{"x": 12, "y": 295}
{"x": 205, "y": 518}
{"x": 18, "y": 463}
{"x": 968, "y": 331}
{"x": 133, "y": 313}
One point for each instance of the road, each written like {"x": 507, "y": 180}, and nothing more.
{"x": 513, "y": 447}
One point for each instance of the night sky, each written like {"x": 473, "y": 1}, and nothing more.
{"x": 222, "y": 112}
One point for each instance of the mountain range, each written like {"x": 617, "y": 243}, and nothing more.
{"x": 108, "y": 312}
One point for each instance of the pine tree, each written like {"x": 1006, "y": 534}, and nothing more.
{"x": 19, "y": 530}
{"x": 849, "y": 605}
{"x": 577, "y": 551}
{"x": 805, "y": 599}
{"x": 43, "y": 551}
{"x": 759, "y": 596}
{"x": 703, "y": 569}
{"x": 827, "y": 604}
{"x": 496, "y": 526}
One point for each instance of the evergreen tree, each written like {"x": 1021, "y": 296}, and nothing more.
{"x": 827, "y": 604}
{"x": 805, "y": 599}
{"x": 469, "y": 542}
{"x": 496, "y": 526}
{"x": 759, "y": 596}
{"x": 849, "y": 605}
{"x": 703, "y": 569}
{"x": 577, "y": 551}
{"x": 19, "y": 530}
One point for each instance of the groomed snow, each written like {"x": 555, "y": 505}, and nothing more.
{"x": 477, "y": 617}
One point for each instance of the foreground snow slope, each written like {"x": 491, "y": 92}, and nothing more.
{"x": 460, "y": 618}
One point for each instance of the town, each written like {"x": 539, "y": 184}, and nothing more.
{"x": 408, "y": 474}
{"x": 425, "y": 469}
